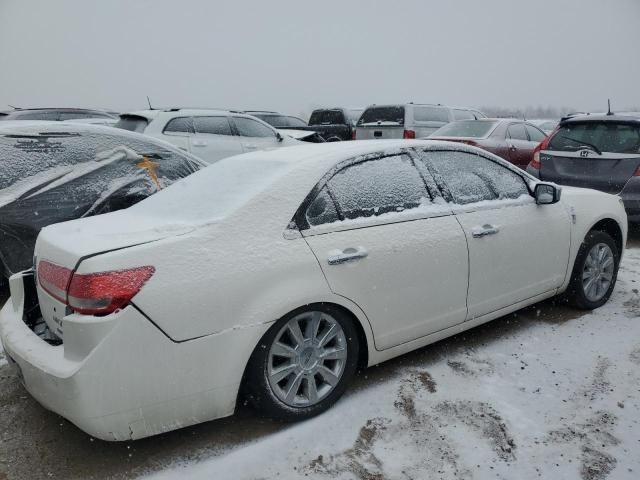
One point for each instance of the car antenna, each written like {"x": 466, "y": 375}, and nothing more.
{"x": 15, "y": 108}
{"x": 149, "y": 102}
{"x": 609, "y": 112}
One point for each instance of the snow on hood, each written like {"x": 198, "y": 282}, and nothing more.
{"x": 297, "y": 134}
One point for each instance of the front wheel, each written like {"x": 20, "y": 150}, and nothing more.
{"x": 303, "y": 364}
{"x": 594, "y": 272}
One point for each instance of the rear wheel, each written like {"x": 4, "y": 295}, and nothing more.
{"x": 303, "y": 364}
{"x": 595, "y": 271}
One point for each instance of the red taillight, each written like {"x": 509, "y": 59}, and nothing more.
{"x": 543, "y": 145}
{"x": 353, "y": 134}
{"x": 637, "y": 172}
{"x": 104, "y": 292}
{"x": 54, "y": 279}
{"x": 409, "y": 134}
{"x": 92, "y": 293}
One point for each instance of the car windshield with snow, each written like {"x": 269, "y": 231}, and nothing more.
{"x": 52, "y": 173}
{"x": 271, "y": 277}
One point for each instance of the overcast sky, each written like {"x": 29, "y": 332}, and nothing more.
{"x": 294, "y": 55}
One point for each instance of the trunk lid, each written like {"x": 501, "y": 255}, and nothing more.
{"x": 608, "y": 172}
{"x": 66, "y": 244}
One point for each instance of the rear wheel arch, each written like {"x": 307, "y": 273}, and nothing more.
{"x": 363, "y": 352}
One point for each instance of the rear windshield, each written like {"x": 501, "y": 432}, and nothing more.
{"x": 216, "y": 191}
{"x": 609, "y": 137}
{"x": 133, "y": 123}
{"x": 392, "y": 115}
{"x": 327, "y": 117}
{"x": 466, "y": 128}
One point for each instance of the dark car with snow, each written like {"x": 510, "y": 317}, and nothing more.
{"x": 52, "y": 172}
{"x": 594, "y": 151}
{"x": 512, "y": 139}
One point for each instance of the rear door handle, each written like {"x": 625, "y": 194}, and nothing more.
{"x": 347, "y": 255}
{"x": 513, "y": 148}
{"x": 251, "y": 147}
{"x": 199, "y": 143}
{"x": 484, "y": 230}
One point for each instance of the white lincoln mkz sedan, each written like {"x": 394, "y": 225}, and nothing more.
{"x": 275, "y": 275}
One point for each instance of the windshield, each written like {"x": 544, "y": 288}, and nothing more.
{"x": 466, "y": 128}
{"x": 606, "y": 136}
{"x": 391, "y": 114}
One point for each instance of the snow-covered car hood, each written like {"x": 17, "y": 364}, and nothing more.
{"x": 297, "y": 134}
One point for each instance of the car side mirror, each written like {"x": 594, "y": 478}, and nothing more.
{"x": 279, "y": 136}
{"x": 546, "y": 193}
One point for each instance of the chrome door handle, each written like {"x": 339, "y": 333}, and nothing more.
{"x": 347, "y": 255}
{"x": 513, "y": 148}
{"x": 199, "y": 143}
{"x": 484, "y": 230}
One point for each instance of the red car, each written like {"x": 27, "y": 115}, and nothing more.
{"x": 514, "y": 140}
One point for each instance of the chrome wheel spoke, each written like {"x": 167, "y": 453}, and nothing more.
{"x": 312, "y": 389}
{"x": 329, "y": 335}
{"x": 292, "y": 388}
{"x": 296, "y": 333}
{"x": 282, "y": 350}
{"x": 328, "y": 376}
{"x": 314, "y": 325}
{"x": 334, "y": 354}
{"x": 283, "y": 372}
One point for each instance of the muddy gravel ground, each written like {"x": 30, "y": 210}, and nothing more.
{"x": 598, "y": 437}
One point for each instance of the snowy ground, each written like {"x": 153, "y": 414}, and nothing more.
{"x": 548, "y": 393}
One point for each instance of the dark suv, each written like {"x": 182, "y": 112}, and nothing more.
{"x": 594, "y": 151}
{"x": 335, "y": 124}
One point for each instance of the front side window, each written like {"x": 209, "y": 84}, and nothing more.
{"x": 516, "y": 131}
{"x": 472, "y": 178}
{"x": 179, "y": 125}
{"x": 212, "y": 125}
{"x": 374, "y": 187}
{"x": 250, "y": 128}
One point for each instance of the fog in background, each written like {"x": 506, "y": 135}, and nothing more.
{"x": 292, "y": 56}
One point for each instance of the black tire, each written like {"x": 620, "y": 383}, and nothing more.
{"x": 576, "y": 292}
{"x": 257, "y": 388}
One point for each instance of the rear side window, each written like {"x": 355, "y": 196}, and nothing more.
{"x": 431, "y": 114}
{"x": 133, "y": 123}
{"x": 609, "y": 137}
{"x": 471, "y": 178}
{"x": 459, "y": 114}
{"x": 516, "y": 131}
{"x": 250, "y": 128}
{"x": 393, "y": 115}
{"x": 179, "y": 125}
{"x": 212, "y": 125}
{"x": 466, "y": 128}
{"x": 74, "y": 115}
{"x": 322, "y": 209}
{"x": 535, "y": 135}
{"x": 379, "y": 186}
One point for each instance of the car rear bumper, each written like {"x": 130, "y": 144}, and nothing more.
{"x": 135, "y": 382}
{"x": 631, "y": 198}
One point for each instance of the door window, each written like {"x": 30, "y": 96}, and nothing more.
{"x": 250, "y": 128}
{"x": 179, "y": 125}
{"x": 212, "y": 125}
{"x": 322, "y": 209}
{"x": 535, "y": 135}
{"x": 471, "y": 178}
{"x": 459, "y": 114}
{"x": 516, "y": 131}
{"x": 379, "y": 186}
{"x": 431, "y": 114}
